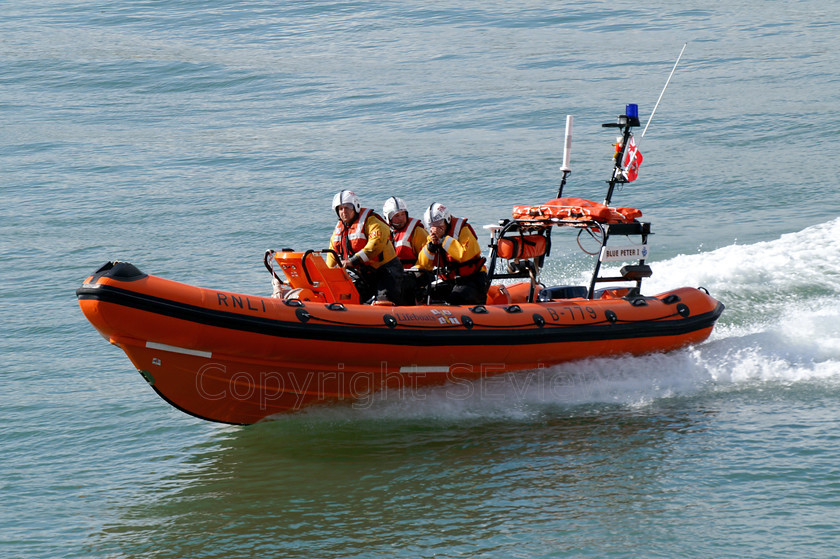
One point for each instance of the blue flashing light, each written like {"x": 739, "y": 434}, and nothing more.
{"x": 632, "y": 111}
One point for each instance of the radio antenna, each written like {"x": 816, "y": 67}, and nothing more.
{"x": 663, "y": 91}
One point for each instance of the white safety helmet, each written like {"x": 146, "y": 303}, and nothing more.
{"x": 346, "y": 197}
{"x": 392, "y": 206}
{"x": 434, "y": 213}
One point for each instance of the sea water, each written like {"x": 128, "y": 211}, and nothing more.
{"x": 189, "y": 137}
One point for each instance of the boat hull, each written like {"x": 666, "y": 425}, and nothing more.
{"x": 237, "y": 358}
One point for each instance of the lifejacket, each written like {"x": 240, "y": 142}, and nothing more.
{"x": 355, "y": 234}
{"x": 452, "y": 268}
{"x": 402, "y": 243}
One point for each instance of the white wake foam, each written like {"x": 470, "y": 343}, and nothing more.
{"x": 807, "y": 261}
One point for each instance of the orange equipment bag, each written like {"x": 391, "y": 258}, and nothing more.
{"x": 522, "y": 246}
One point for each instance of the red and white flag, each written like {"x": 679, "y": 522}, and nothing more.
{"x": 632, "y": 161}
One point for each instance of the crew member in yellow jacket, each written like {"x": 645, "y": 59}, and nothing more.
{"x": 362, "y": 241}
{"x": 453, "y": 253}
{"x": 409, "y": 237}
{"x": 407, "y": 233}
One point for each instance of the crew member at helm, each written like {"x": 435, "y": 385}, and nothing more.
{"x": 452, "y": 251}
{"x": 362, "y": 241}
{"x": 409, "y": 238}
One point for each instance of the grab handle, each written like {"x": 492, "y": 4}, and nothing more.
{"x": 310, "y": 251}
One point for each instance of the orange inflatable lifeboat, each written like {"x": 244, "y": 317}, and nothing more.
{"x": 239, "y": 358}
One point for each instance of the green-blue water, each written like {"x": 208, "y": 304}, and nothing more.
{"x": 188, "y": 137}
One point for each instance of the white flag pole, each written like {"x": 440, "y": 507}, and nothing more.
{"x": 567, "y": 154}
{"x": 567, "y": 147}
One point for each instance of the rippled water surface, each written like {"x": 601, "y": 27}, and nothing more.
{"x": 188, "y": 137}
